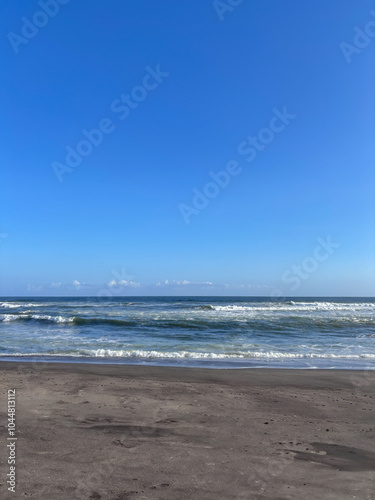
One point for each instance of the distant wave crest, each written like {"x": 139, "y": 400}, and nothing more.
{"x": 6, "y": 318}
{"x": 75, "y": 320}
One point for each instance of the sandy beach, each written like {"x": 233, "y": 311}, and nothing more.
{"x": 110, "y": 432}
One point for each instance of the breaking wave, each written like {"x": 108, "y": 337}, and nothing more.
{"x": 144, "y": 354}
{"x": 6, "y": 318}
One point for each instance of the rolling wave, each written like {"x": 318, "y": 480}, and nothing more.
{"x": 77, "y": 320}
{"x": 171, "y": 320}
{"x": 295, "y": 306}
{"x": 145, "y": 354}
{"x": 43, "y": 318}
{"x": 74, "y": 320}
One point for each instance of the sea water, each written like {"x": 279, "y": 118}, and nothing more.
{"x": 217, "y": 332}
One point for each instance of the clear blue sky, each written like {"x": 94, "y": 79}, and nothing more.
{"x": 115, "y": 224}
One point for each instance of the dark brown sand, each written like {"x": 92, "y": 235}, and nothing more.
{"x": 131, "y": 432}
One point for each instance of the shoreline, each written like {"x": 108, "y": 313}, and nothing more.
{"x": 185, "y": 372}
{"x": 114, "y": 432}
{"x": 297, "y": 364}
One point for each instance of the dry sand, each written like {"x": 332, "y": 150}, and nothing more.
{"x": 131, "y": 432}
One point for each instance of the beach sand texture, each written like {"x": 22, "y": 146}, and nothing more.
{"x": 108, "y": 432}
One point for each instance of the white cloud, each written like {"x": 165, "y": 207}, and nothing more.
{"x": 162, "y": 283}
{"x": 56, "y": 285}
{"x": 121, "y": 283}
{"x": 183, "y": 283}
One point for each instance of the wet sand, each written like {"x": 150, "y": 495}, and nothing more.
{"x": 107, "y": 432}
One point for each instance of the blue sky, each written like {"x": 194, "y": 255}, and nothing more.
{"x": 181, "y": 91}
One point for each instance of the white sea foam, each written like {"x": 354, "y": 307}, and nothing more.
{"x": 143, "y": 354}
{"x": 297, "y": 306}
{"x": 41, "y": 317}
{"x": 139, "y": 353}
{"x": 8, "y": 317}
{"x": 13, "y": 305}
{"x": 54, "y": 319}
{"x": 9, "y": 305}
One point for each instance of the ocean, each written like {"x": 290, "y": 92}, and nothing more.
{"x": 212, "y": 332}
